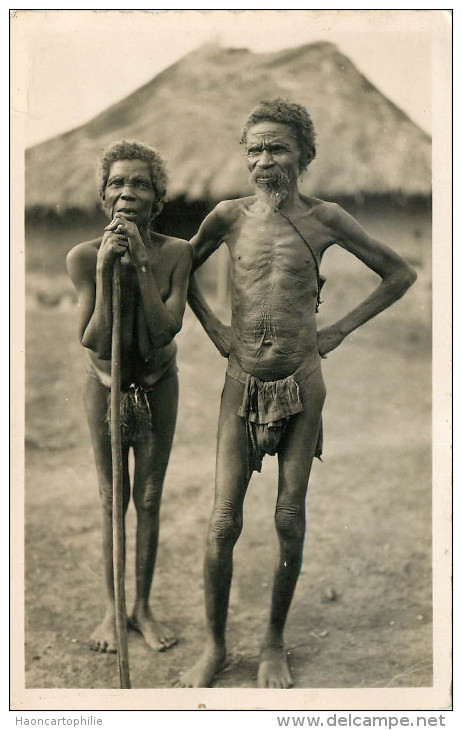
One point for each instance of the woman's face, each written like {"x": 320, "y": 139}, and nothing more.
{"x": 129, "y": 190}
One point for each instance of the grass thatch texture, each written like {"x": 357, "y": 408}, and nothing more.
{"x": 193, "y": 112}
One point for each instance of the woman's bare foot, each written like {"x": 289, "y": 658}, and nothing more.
{"x": 273, "y": 671}
{"x": 206, "y": 669}
{"x": 155, "y": 634}
{"x": 104, "y": 638}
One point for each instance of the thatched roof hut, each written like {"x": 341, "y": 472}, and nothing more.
{"x": 193, "y": 113}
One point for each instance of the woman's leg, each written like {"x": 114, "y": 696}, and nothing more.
{"x": 103, "y": 639}
{"x": 151, "y": 460}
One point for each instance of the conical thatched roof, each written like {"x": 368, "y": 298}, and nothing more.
{"x": 193, "y": 113}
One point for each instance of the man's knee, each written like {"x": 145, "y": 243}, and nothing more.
{"x": 290, "y": 522}
{"x": 225, "y": 525}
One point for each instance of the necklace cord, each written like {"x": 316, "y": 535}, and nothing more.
{"x": 318, "y": 275}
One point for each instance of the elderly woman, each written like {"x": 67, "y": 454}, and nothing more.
{"x": 154, "y": 282}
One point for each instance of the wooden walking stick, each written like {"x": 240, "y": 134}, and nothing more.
{"x": 118, "y": 548}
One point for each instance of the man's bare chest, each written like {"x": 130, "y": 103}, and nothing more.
{"x": 273, "y": 249}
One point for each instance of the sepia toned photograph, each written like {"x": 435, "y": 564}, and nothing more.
{"x": 234, "y": 471}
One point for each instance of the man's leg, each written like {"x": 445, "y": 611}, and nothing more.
{"x": 103, "y": 639}
{"x": 295, "y": 459}
{"x": 151, "y": 460}
{"x": 224, "y": 529}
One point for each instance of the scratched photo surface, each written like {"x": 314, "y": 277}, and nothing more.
{"x": 361, "y": 616}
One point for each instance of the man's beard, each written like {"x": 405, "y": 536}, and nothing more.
{"x": 274, "y": 189}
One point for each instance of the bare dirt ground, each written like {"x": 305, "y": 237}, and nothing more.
{"x": 362, "y": 612}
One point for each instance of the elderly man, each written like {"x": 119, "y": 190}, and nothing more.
{"x": 274, "y": 390}
{"x": 154, "y": 283}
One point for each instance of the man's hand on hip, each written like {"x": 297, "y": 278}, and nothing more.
{"x": 328, "y": 339}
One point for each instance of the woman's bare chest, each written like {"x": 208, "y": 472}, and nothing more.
{"x": 130, "y": 283}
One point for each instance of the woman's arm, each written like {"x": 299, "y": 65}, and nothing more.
{"x": 163, "y": 319}
{"x": 91, "y": 274}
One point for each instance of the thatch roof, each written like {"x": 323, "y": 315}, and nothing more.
{"x": 193, "y": 113}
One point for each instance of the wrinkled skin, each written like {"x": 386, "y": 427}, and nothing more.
{"x": 273, "y": 333}
{"x": 154, "y": 281}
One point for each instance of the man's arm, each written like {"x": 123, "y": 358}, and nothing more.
{"x": 219, "y": 333}
{"x": 207, "y": 240}
{"x": 396, "y": 274}
{"x": 210, "y": 235}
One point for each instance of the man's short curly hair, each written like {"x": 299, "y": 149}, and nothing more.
{"x": 129, "y": 150}
{"x": 294, "y": 115}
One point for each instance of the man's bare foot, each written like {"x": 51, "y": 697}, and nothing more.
{"x": 273, "y": 671}
{"x": 155, "y": 634}
{"x": 104, "y": 638}
{"x": 205, "y": 670}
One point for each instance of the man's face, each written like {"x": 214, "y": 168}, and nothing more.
{"x": 129, "y": 190}
{"x": 273, "y": 156}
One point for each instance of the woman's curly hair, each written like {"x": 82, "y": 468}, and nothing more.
{"x": 129, "y": 150}
{"x": 286, "y": 112}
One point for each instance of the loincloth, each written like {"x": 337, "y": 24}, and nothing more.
{"x": 267, "y": 407}
{"x": 135, "y": 414}
{"x": 135, "y": 408}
